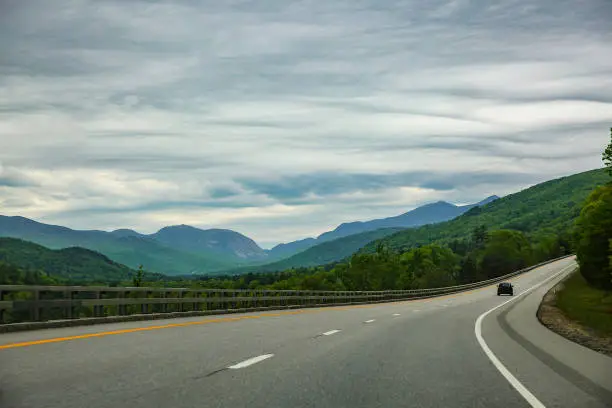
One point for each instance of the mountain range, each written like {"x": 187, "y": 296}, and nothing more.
{"x": 183, "y": 249}
{"x": 546, "y": 209}
{"x": 428, "y": 214}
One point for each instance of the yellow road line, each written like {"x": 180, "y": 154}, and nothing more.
{"x": 221, "y": 320}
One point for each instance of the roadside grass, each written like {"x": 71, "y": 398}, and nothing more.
{"x": 586, "y": 305}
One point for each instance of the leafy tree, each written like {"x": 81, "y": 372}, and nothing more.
{"x": 593, "y": 232}
{"x": 506, "y": 251}
{"x": 469, "y": 271}
{"x": 547, "y": 246}
{"x": 15, "y": 275}
{"x": 607, "y": 155}
{"x": 431, "y": 266}
{"x": 479, "y": 237}
{"x": 137, "y": 280}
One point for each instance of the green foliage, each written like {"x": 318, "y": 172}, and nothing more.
{"x": 70, "y": 264}
{"x": 321, "y": 254}
{"x": 607, "y": 155}
{"x": 137, "y": 280}
{"x": 593, "y": 234}
{"x": 428, "y": 266}
{"x": 14, "y": 275}
{"x": 127, "y": 250}
{"x": 504, "y": 252}
{"x": 431, "y": 266}
{"x": 479, "y": 237}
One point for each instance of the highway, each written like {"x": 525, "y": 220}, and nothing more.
{"x": 462, "y": 350}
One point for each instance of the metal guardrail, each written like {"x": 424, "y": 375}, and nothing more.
{"x": 27, "y": 303}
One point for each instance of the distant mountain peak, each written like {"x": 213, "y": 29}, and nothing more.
{"x": 488, "y": 200}
{"x": 222, "y": 241}
{"x": 126, "y": 232}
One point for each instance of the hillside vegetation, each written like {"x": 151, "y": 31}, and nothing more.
{"x": 62, "y": 265}
{"x": 320, "y": 254}
{"x": 125, "y": 248}
{"x": 550, "y": 208}
{"x": 586, "y": 297}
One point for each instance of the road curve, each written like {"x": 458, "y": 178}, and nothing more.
{"x": 422, "y": 353}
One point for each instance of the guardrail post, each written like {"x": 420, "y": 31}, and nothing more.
{"x": 35, "y": 312}
{"x": 195, "y": 304}
{"x": 98, "y": 310}
{"x": 68, "y": 308}
{"x": 1, "y": 310}
{"x": 121, "y": 307}
{"x": 144, "y": 307}
{"x": 179, "y": 306}
{"x": 164, "y": 306}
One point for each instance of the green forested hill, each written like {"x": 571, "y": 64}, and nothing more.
{"x": 126, "y": 247}
{"x": 69, "y": 264}
{"x": 324, "y": 253}
{"x": 547, "y": 208}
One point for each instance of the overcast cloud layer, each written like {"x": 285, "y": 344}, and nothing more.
{"x": 281, "y": 119}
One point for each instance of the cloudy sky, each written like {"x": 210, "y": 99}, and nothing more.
{"x": 281, "y": 119}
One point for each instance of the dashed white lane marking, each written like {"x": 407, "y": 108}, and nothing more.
{"x": 525, "y": 393}
{"x": 329, "y": 333}
{"x": 396, "y": 314}
{"x": 370, "y": 321}
{"x": 251, "y": 361}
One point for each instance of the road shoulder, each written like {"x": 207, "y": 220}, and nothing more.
{"x": 551, "y": 316}
{"x": 557, "y": 371}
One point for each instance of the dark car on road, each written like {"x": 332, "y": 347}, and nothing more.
{"x": 505, "y": 288}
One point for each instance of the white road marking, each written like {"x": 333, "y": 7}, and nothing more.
{"x": 329, "y": 333}
{"x": 525, "y": 393}
{"x": 251, "y": 361}
{"x": 370, "y": 321}
{"x": 396, "y": 314}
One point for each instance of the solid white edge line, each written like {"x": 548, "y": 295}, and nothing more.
{"x": 250, "y": 361}
{"x": 370, "y": 321}
{"x": 525, "y": 393}
{"x": 329, "y": 333}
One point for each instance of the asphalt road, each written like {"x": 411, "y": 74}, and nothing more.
{"x": 423, "y": 353}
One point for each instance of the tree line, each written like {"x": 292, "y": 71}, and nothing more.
{"x": 483, "y": 255}
{"x": 14, "y": 275}
{"x": 593, "y": 232}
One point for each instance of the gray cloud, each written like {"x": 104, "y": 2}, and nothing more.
{"x": 330, "y": 184}
{"x": 284, "y": 118}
